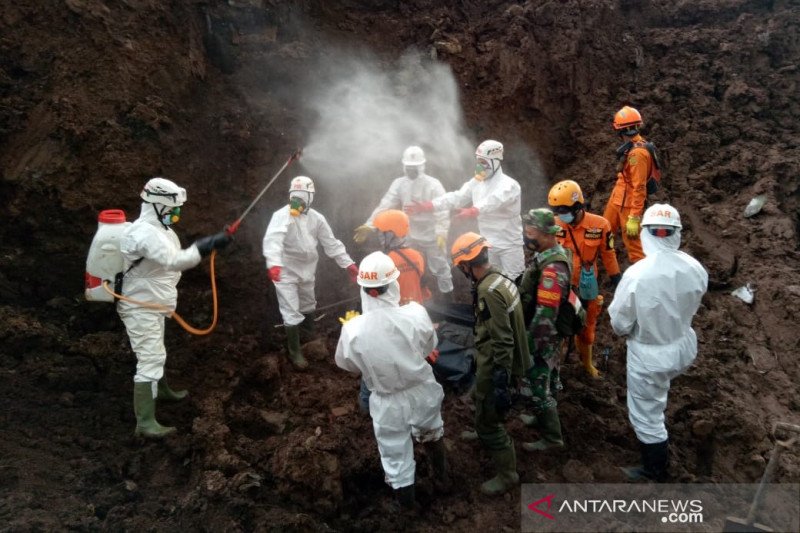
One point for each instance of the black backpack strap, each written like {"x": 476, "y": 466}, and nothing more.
{"x": 120, "y": 275}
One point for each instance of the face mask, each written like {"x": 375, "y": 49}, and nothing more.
{"x": 467, "y": 271}
{"x": 296, "y": 206}
{"x": 171, "y": 217}
{"x": 531, "y": 244}
{"x": 413, "y": 173}
{"x": 566, "y": 218}
{"x": 483, "y": 170}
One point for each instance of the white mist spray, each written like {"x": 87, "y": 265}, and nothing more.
{"x": 367, "y": 112}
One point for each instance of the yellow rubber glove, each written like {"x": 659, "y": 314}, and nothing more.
{"x": 441, "y": 242}
{"x": 348, "y": 316}
{"x": 362, "y": 232}
{"x": 632, "y": 226}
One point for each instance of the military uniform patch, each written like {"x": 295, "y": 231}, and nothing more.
{"x": 548, "y": 282}
{"x": 632, "y": 160}
{"x": 610, "y": 240}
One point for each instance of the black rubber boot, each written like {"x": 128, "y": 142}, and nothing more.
{"x": 406, "y": 498}
{"x": 655, "y": 463}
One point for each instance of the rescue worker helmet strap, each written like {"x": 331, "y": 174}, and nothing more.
{"x": 163, "y": 191}
{"x": 627, "y": 120}
{"x": 468, "y": 247}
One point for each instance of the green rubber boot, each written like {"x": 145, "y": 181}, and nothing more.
{"x": 469, "y": 436}
{"x": 167, "y": 394}
{"x": 308, "y": 328}
{"x": 293, "y": 347}
{"x": 144, "y": 405}
{"x": 529, "y": 420}
{"x": 551, "y": 432}
{"x": 507, "y": 478}
{"x": 438, "y": 454}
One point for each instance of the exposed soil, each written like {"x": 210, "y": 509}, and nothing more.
{"x": 95, "y": 97}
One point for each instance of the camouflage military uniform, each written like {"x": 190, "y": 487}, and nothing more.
{"x": 544, "y": 286}
{"x": 500, "y": 341}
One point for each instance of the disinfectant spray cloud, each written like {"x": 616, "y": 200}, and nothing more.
{"x": 367, "y": 112}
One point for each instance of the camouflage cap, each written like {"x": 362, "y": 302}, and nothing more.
{"x": 541, "y": 219}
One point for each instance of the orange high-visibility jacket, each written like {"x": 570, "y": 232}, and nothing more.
{"x": 594, "y": 237}
{"x": 630, "y": 190}
{"x": 411, "y": 289}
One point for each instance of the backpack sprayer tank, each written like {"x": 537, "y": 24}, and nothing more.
{"x": 105, "y": 259}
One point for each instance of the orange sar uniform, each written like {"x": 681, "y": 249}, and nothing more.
{"x": 411, "y": 268}
{"x": 629, "y": 195}
{"x": 593, "y": 237}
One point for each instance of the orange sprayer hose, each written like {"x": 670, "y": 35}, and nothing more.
{"x": 171, "y": 313}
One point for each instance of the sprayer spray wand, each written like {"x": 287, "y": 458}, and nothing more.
{"x": 231, "y": 229}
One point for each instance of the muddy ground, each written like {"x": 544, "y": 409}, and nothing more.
{"x": 95, "y": 97}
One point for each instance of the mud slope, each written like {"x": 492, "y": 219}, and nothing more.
{"x": 95, "y": 97}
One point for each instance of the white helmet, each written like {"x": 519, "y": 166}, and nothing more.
{"x": 413, "y": 156}
{"x": 163, "y": 191}
{"x": 377, "y": 270}
{"x": 302, "y": 183}
{"x": 490, "y": 150}
{"x": 662, "y": 215}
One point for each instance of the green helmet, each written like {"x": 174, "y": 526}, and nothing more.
{"x": 541, "y": 219}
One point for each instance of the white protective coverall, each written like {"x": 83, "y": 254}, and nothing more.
{"x": 153, "y": 280}
{"x": 423, "y": 227}
{"x": 291, "y": 243}
{"x": 653, "y": 306}
{"x": 388, "y": 344}
{"x": 499, "y": 205}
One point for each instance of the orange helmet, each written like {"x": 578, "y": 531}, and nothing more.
{"x": 467, "y": 247}
{"x": 392, "y": 220}
{"x": 627, "y": 119}
{"x": 565, "y": 193}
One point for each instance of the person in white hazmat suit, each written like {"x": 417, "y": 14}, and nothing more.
{"x": 653, "y": 307}
{"x": 153, "y": 261}
{"x": 428, "y": 231}
{"x": 290, "y": 248}
{"x": 387, "y": 345}
{"x": 496, "y": 203}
